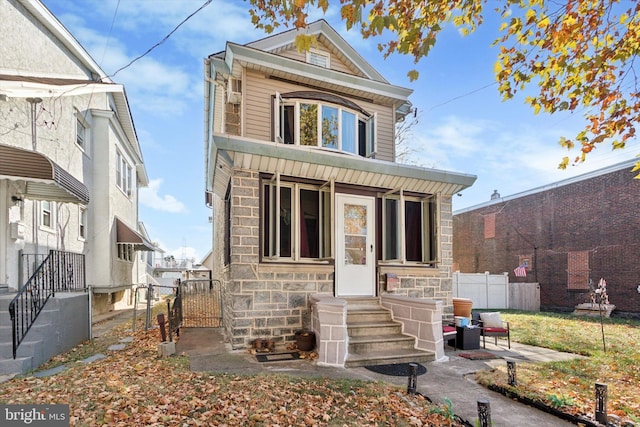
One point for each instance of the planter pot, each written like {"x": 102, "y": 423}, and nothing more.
{"x": 591, "y": 309}
{"x": 462, "y": 307}
{"x": 305, "y": 340}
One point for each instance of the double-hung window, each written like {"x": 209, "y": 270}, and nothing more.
{"x": 46, "y": 214}
{"x": 322, "y": 120}
{"x": 124, "y": 174}
{"x": 297, "y": 220}
{"x": 81, "y": 133}
{"x": 409, "y": 228}
{"x": 82, "y": 223}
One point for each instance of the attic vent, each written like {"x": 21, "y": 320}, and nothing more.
{"x": 318, "y": 58}
{"x": 234, "y": 91}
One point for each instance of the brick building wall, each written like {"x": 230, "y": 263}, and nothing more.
{"x": 567, "y": 233}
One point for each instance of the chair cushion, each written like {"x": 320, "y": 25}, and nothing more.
{"x": 494, "y": 330}
{"x": 491, "y": 320}
{"x": 446, "y": 329}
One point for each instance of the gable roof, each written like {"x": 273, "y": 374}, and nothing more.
{"x": 42, "y": 86}
{"x": 322, "y": 30}
{"x": 263, "y": 56}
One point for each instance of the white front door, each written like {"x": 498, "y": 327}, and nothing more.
{"x": 355, "y": 255}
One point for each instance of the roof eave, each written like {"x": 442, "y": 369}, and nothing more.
{"x": 275, "y": 154}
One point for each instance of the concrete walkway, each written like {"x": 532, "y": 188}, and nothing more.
{"x": 450, "y": 380}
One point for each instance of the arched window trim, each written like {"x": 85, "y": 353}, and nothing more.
{"x": 323, "y": 97}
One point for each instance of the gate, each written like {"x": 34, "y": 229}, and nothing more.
{"x": 201, "y": 303}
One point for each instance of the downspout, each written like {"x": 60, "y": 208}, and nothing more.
{"x": 4, "y": 234}
{"x": 210, "y": 149}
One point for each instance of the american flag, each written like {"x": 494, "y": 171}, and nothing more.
{"x": 520, "y": 271}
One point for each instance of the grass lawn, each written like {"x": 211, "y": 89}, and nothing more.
{"x": 570, "y": 385}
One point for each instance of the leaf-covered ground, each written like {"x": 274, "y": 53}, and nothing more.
{"x": 133, "y": 387}
{"x": 570, "y": 385}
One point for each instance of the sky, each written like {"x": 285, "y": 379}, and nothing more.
{"x": 462, "y": 123}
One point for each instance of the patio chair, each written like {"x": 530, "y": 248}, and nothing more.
{"x": 449, "y": 332}
{"x": 491, "y": 326}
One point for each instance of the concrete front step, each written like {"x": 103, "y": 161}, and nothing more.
{"x": 373, "y": 358}
{"x": 376, "y": 339}
{"x": 359, "y": 329}
{"x": 358, "y": 301}
{"x": 388, "y": 343}
{"x": 16, "y": 366}
{"x": 30, "y": 348}
{"x": 370, "y": 315}
{"x": 38, "y": 331}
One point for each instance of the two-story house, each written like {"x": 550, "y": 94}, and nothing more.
{"x": 311, "y": 213}
{"x": 70, "y": 166}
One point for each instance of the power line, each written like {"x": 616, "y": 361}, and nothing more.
{"x": 113, "y": 21}
{"x": 206, "y": 3}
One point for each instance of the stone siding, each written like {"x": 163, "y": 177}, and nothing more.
{"x": 263, "y": 299}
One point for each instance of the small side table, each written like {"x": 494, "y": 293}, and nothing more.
{"x": 468, "y": 338}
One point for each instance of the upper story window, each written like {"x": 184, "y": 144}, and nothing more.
{"x": 123, "y": 174}
{"x": 318, "y": 119}
{"x": 82, "y": 131}
{"x": 319, "y": 58}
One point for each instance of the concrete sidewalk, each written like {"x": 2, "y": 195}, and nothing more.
{"x": 450, "y": 380}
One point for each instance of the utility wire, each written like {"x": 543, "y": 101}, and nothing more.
{"x": 206, "y": 3}
{"x": 113, "y": 21}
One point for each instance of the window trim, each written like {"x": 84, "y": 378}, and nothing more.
{"x": 311, "y": 53}
{"x": 51, "y": 212}
{"x": 270, "y": 250}
{"x": 82, "y": 223}
{"x": 429, "y": 228}
{"x": 125, "y": 252}
{"x": 124, "y": 174}
{"x": 81, "y": 121}
{"x": 330, "y": 101}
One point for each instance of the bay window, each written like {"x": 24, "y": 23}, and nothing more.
{"x": 322, "y": 120}
{"x": 297, "y": 220}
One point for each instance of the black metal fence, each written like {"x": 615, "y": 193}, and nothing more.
{"x": 201, "y": 303}
{"x": 58, "y": 272}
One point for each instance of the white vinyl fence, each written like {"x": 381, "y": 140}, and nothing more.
{"x": 494, "y": 291}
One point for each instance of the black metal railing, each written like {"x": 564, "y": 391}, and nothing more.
{"x": 58, "y": 272}
{"x": 175, "y": 314}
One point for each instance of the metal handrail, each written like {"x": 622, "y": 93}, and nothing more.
{"x": 59, "y": 271}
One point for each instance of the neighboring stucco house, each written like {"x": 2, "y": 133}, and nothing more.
{"x": 564, "y": 234}
{"x": 310, "y": 210}
{"x": 70, "y": 164}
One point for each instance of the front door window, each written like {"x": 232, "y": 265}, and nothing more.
{"x": 355, "y": 257}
